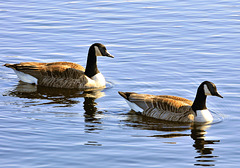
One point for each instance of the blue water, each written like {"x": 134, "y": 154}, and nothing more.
{"x": 160, "y": 47}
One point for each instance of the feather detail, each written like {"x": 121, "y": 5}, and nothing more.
{"x": 64, "y": 74}
{"x": 56, "y": 74}
{"x": 171, "y": 108}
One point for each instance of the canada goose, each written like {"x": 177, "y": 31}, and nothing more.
{"x": 64, "y": 74}
{"x": 173, "y": 108}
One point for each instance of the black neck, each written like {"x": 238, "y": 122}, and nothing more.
{"x": 91, "y": 67}
{"x": 200, "y": 100}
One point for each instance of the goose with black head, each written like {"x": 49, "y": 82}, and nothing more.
{"x": 173, "y": 108}
{"x": 64, "y": 74}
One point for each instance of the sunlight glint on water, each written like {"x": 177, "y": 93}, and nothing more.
{"x": 160, "y": 47}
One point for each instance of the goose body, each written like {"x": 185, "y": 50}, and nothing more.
{"x": 173, "y": 108}
{"x": 64, "y": 74}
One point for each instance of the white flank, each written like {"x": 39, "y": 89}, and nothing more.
{"x": 25, "y": 77}
{"x": 134, "y": 107}
{"x": 98, "y": 80}
{"x": 203, "y": 116}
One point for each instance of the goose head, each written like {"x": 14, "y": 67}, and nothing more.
{"x": 100, "y": 50}
{"x": 210, "y": 89}
{"x": 205, "y": 89}
{"x": 96, "y": 49}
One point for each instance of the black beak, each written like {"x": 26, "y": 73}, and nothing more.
{"x": 218, "y": 95}
{"x": 107, "y": 54}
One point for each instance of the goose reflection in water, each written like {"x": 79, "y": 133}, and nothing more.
{"x": 56, "y": 97}
{"x": 198, "y": 135}
{"x": 93, "y": 124}
{"x": 40, "y": 95}
{"x": 61, "y": 97}
{"x": 205, "y": 155}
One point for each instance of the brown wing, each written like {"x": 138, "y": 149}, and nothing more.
{"x": 55, "y": 69}
{"x": 165, "y": 107}
{"x": 176, "y": 98}
{"x": 56, "y": 74}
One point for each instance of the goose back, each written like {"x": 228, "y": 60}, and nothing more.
{"x": 64, "y": 74}
{"x": 171, "y": 108}
{"x": 56, "y": 74}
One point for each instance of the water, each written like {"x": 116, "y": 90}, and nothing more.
{"x": 160, "y": 47}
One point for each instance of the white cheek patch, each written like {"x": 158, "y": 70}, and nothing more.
{"x": 97, "y": 51}
{"x": 206, "y": 90}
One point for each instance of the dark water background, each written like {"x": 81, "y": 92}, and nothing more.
{"x": 160, "y": 47}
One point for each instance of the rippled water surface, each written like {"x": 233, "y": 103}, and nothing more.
{"x": 160, "y": 47}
